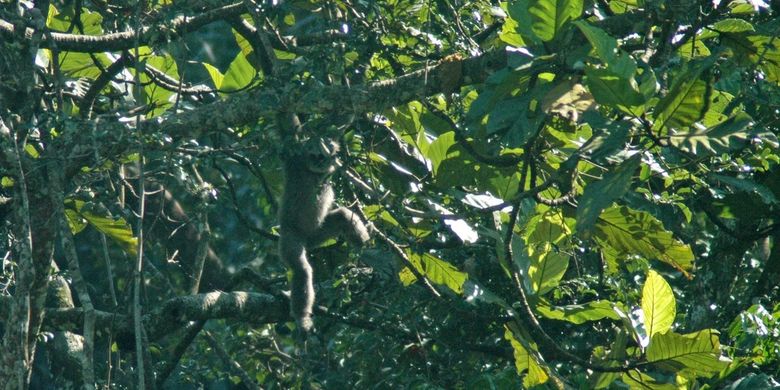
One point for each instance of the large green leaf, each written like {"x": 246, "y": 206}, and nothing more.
{"x": 435, "y": 269}
{"x": 547, "y": 268}
{"x": 501, "y": 85}
{"x": 239, "y": 75}
{"x": 441, "y": 149}
{"x": 580, "y": 314}
{"x": 115, "y": 228}
{"x": 761, "y": 50}
{"x": 639, "y": 380}
{"x": 686, "y": 102}
{"x": 614, "y": 90}
{"x": 547, "y": 263}
{"x": 615, "y": 60}
{"x": 694, "y": 353}
{"x": 549, "y": 16}
{"x": 622, "y": 231}
{"x": 601, "y": 194}
{"x": 746, "y": 185}
{"x": 90, "y": 23}
{"x": 658, "y": 304}
{"x": 732, "y": 25}
{"x": 728, "y": 135}
{"x": 525, "y": 361}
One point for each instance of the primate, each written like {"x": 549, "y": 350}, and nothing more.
{"x": 306, "y": 219}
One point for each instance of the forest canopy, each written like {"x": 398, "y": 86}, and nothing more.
{"x": 561, "y": 193}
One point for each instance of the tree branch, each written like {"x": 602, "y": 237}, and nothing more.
{"x": 174, "y": 314}
{"x": 127, "y": 40}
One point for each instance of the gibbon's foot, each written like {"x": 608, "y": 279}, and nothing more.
{"x": 305, "y": 324}
{"x": 304, "y": 331}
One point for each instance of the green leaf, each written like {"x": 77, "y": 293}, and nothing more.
{"x": 75, "y": 222}
{"x": 154, "y": 95}
{"x": 441, "y": 149}
{"x": 77, "y": 65}
{"x": 639, "y": 380}
{"x": 753, "y": 49}
{"x": 435, "y": 269}
{"x": 627, "y": 232}
{"x": 499, "y": 87}
{"x": 525, "y": 361}
{"x": 216, "y": 76}
{"x": 613, "y": 90}
{"x": 549, "y": 16}
{"x": 686, "y": 102}
{"x": 520, "y": 22}
{"x": 611, "y": 138}
{"x": 623, "y": 6}
{"x": 239, "y": 75}
{"x": 548, "y": 264}
{"x": 90, "y": 23}
{"x": 116, "y": 229}
{"x": 694, "y": 48}
{"x": 616, "y": 60}
{"x": 601, "y": 194}
{"x": 579, "y": 314}
{"x": 730, "y": 134}
{"x": 547, "y": 268}
{"x": 747, "y": 185}
{"x": 658, "y": 304}
{"x": 694, "y": 353}
{"x": 732, "y": 25}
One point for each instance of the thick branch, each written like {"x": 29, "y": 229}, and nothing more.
{"x": 126, "y": 40}
{"x": 253, "y": 308}
{"x": 245, "y": 108}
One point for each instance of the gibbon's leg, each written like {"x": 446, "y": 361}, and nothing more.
{"x": 293, "y": 251}
{"x": 342, "y": 221}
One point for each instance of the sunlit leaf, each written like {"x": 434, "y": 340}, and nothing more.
{"x": 760, "y": 50}
{"x": 549, "y": 16}
{"x": 436, "y": 270}
{"x": 627, "y": 232}
{"x": 658, "y": 304}
{"x": 115, "y": 228}
{"x": 695, "y": 353}
{"x": 216, "y": 76}
{"x": 525, "y": 361}
{"x": 728, "y": 135}
{"x": 580, "y": 314}
{"x": 239, "y": 75}
{"x": 90, "y": 23}
{"x": 639, "y": 380}
{"x": 441, "y": 149}
{"x": 686, "y": 102}
{"x": 547, "y": 263}
{"x": 732, "y": 25}
{"x": 612, "y": 90}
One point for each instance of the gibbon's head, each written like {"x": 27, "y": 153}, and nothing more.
{"x": 320, "y": 155}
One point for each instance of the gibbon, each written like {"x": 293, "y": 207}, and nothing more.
{"x": 307, "y": 219}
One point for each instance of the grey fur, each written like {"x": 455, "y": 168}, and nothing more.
{"x": 306, "y": 219}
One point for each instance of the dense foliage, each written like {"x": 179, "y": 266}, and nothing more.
{"x": 564, "y": 193}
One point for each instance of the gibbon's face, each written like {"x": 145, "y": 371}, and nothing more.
{"x": 321, "y": 156}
